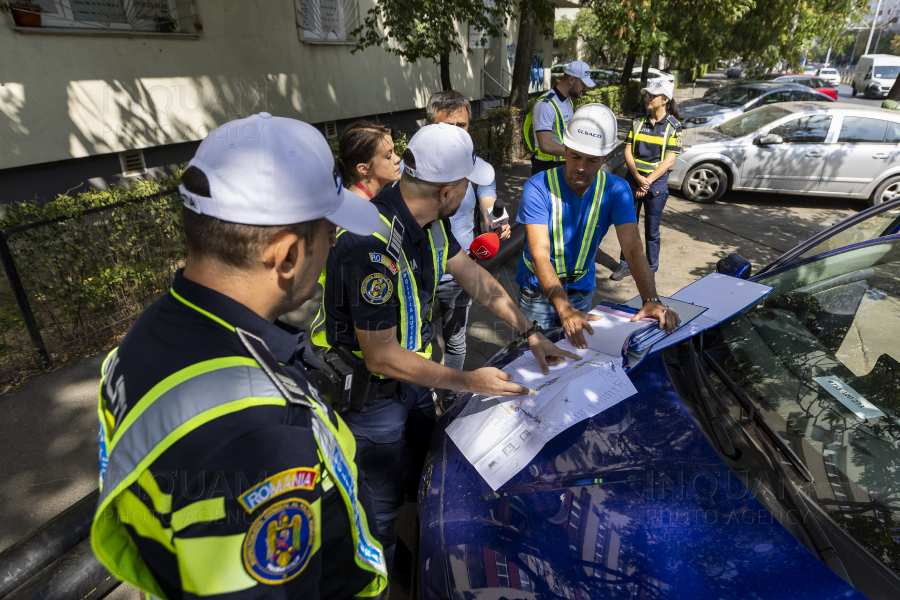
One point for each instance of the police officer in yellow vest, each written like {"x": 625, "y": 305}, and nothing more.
{"x": 223, "y": 473}
{"x": 379, "y": 293}
{"x": 566, "y": 212}
{"x": 547, "y": 122}
{"x": 650, "y": 150}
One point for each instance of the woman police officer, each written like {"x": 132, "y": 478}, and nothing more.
{"x": 650, "y": 150}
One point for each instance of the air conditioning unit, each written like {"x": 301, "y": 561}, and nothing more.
{"x": 132, "y": 163}
{"x": 330, "y": 130}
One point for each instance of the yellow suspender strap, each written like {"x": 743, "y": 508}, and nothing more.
{"x": 593, "y": 217}
{"x": 556, "y": 224}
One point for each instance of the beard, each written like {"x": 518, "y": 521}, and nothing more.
{"x": 448, "y": 211}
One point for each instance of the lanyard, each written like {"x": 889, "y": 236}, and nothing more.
{"x": 364, "y": 189}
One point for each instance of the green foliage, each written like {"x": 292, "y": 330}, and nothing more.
{"x": 895, "y": 45}
{"x": 498, "y": 136}
{"x": 620, "y": 98}
{"x": 415, "y": 29}
{"x": 90, "y": 271}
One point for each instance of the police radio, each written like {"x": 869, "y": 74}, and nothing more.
{"x": 335, "y": 380}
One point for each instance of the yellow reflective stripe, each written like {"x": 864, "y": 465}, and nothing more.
{"x": 559, "y": 124}
{"x": 162, "y": 503}
{"x": 132, "y": 511}
{"x": 317, "y": 515}
{"x": 171, "y": 381}
{"x": 319, "y": 336}
{"x": 202, "y": 511}
{"x": 212, "y": 565}
{"x": 556, "y": 225}
{"x": 650, "y": 139}
{"x": 201, "y": 311}
{"x": 599, "y": 186}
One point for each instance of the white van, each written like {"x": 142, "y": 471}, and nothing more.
{"x": 875, "y": 74}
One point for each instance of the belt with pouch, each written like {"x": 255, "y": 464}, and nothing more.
{"x": 348, "y": 384}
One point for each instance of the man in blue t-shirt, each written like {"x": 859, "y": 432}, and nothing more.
{"x": 566, "y": 212}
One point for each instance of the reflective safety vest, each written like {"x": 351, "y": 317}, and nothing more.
{"x": 412, "y": 313}
{"x": 174, "y": 408}
{"x": 645, "y": 166}
{"x": 557, "y": 242}
{"x": 559, "y": 127}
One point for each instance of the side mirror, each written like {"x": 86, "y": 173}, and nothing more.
{"x": 734, "y": 265}
{"x": 768, "y": 140}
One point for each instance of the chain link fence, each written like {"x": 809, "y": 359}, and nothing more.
{"x": 77, "y": 280}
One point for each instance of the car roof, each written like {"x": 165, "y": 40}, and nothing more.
{"x": 770, "y": 85}
{"x": 841, "y": 107}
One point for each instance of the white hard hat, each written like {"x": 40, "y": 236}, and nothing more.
{"x": 592, "y": 130}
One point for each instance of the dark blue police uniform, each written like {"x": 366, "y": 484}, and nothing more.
{"x": 362, "y": 291}
{"x": 650, "y": 142}
{"x": 204, "y": 498}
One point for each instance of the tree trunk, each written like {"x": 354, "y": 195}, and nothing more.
{"x": 629, "y": 66}
{"x": 521, "y": 73}
{"x": 894, "y": 94}
{"x": 445, "y": 72}
{"x": 645, "y": 70}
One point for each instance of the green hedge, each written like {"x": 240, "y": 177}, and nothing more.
{"x": 620, "y": 98}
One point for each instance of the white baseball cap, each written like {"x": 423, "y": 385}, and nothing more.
{"x": 660, "y": 87}
{"x": 581, "y": 70}
{"x": 266, "y": 170}
{"x": 445, "y": 153}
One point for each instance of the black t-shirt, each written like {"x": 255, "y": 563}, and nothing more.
{"x": 362, "y": 287}
{"x": 229, "y": 456}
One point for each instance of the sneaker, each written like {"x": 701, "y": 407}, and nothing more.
{"x": 620, "y": 274}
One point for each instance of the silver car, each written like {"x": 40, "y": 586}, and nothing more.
{"x": 737, "y": 99}
{"x": 826, "y": 149}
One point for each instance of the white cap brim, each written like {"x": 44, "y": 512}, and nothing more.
{"x": 482, "y": 173}
{"x": 588, "y": 82}
{"x": 355, "y": 215}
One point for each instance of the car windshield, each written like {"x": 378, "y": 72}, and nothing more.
{"x": 734, "y": 96}
{"x": 887, "y": 72}
{"x": 747, "y": 123}
{"x": 819, "y": 359}
{"x": 828, "y": 72}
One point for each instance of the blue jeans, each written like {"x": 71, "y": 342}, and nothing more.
{"x": 392, "y": 436}
{"x": 537, "y": 308}
{"x": 454, "y": 304}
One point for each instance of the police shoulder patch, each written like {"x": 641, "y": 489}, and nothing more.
{"x": 380, "y": 259}
{"x": 376, "y": 288}
{"x": 280, "y": 542}
{"x": 280, "y": 483}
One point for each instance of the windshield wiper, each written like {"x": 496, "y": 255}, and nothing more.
{"x": 759, "y": 418}
{"x": 820, "y": 541}
{"x": 708, "y": 407}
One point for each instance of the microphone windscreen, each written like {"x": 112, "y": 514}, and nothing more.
{"x": 485, "y": 246}
{"x": 498, "y": 209}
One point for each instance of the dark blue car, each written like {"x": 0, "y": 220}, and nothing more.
{"x": 759, "y": 460}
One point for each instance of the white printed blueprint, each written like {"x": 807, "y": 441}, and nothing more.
{"x": 500, "y": 436}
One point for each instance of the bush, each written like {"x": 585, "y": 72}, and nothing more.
{"x": 620, "y": 98}
{"x": 498, "y": 137}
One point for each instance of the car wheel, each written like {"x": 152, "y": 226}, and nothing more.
{"x": 888, "y": 190}
{"x": 853, "y": 91}
{"x": 705, "y": 183}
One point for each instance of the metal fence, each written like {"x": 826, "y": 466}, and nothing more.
{"x": 74, "y": 281}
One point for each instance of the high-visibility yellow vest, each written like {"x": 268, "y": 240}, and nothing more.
{"x": 559, "y": 127}
{"x": 570, "y": 273}
{"x": 412, "y": 313}
{"x": 174, "y": 408}
{"x": 645, "y": 166}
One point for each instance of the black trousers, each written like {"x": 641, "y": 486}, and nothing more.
{"x": 538, "y": 166}
{"x": 653, "y": 202}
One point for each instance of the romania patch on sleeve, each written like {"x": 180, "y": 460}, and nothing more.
{"x": 376, "y": 288}
{"x": 280, "y": 483}
{"x": 280, "y": 542}
{"x": 381, "y": 259}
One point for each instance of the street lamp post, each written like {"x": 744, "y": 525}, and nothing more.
{"x": 874, "y": 21}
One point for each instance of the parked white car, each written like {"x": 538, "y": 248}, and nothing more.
{"x": 653, "y": 74}
{"x": 829, "y": 74}
{"x": 875, "y": 75}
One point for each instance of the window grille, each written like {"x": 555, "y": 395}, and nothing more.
{"x": 327, "y": 21}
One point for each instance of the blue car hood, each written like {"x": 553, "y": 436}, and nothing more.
{"x": 633, "y": 503}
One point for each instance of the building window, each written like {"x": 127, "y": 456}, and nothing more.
{"x": 159, "y": 16}
{"x": 502, "y": 570}
{"x": 526, "y": 583}
{"x": 327, "y": 21}
{"x": 475, "y": 566}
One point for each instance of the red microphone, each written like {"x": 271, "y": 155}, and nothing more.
{"x": 485, "y": 246}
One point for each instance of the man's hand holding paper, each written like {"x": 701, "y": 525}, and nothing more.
{"x": 667, "y": 317}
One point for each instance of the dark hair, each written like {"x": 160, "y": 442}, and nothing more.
{"x": 446, "y": 101}
{"x": 233, "y": 244}
{"x": 672, "y": 108}
{"x": 359, "y": 144}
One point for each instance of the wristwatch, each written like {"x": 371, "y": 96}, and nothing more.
{"x": 535, "y": 328}
{"x": 653, "y": 299}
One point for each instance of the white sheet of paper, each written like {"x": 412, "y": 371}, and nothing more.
{"x": 723, "y": 294}
{"x": 610, "y": 333}
{"x": 500, "y": 436}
